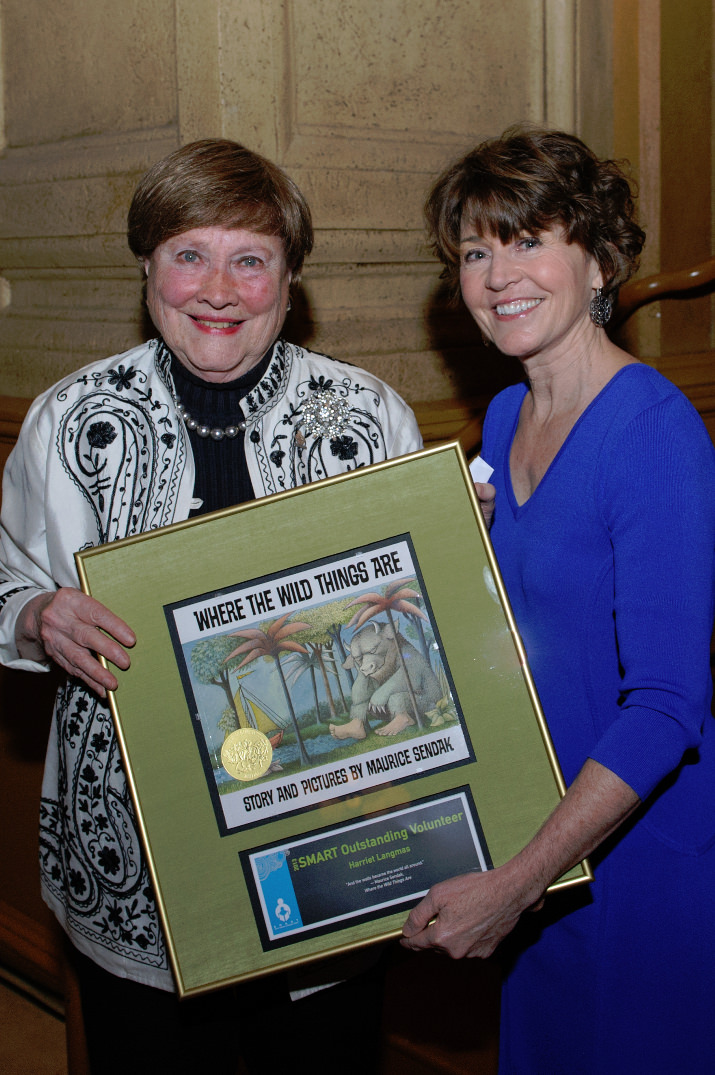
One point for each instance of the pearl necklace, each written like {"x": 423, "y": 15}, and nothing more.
{"x": 206, "y": 431}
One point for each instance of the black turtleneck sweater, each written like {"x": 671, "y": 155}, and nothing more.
{"x": 222, "y": 477}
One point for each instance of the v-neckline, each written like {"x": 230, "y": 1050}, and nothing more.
{"x": 518, "y": 508}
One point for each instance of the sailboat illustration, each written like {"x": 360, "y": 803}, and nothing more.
{"x": 253, "y": 713}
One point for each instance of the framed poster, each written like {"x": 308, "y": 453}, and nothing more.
{"x": 328, "y": 710}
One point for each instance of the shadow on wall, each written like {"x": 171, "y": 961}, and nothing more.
{"x": 475, "y": 368}
{"x": 300, "y": 324}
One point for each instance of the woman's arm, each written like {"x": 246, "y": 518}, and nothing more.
{"x": 470, "y": 915}
{"x": 43, "y": 615}
{"x": 663, "y": 616}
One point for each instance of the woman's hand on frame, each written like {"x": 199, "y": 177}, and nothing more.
{"x": 72, "y": 628}
{"x": 487, "y": 495}
{"x": 467, "y": 916}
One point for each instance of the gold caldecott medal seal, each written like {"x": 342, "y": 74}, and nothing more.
{"x": 246, "y": 754}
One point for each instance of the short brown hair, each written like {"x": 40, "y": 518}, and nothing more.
{"x": 219, "y": 183}
{"x": 530, "y": 180}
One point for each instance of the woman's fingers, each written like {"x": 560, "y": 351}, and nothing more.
{"x": 487, "y": 495}
{"x": 72, "y": 628}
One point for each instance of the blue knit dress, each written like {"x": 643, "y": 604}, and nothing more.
{"x": 610, "y": 567}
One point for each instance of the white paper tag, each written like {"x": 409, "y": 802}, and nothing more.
{"x": 480, "y": 471}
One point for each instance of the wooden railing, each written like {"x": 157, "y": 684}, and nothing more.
{"x": 685, "y": 283}
{"x": 692, "y": 372}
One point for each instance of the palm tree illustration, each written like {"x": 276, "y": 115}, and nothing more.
{"x": 416, "y": 622}
{"x": 332, "y": 618}
{"x": 332, "y": 666}
{"x": 397, "y": 597}
{"x": 211, "y": 662}
{"x": 312, "y": 661}
{"x": 270, "y": 644}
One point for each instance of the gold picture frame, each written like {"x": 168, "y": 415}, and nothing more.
{"x": 448, "y": 764}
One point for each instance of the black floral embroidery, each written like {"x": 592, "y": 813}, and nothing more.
{"x": 320, "y": 384}
{"x": 90, "y": 855}
{"x": 131, "y": 486}
{"x": 101, "y": 434}
{"x": 344, "y": 447}
{"x": 114, "y": 914}
{"x": 98, "y": 437}
{"x": 77, "y": 882}
{"x": 271, "y": 383}
{"x": 93, "y": 869}
{"x": 121, "y": 378}
{"x": 99, "y": 742}
{"x": 109, "y": 860}
{"x": 121, "y": 922}
{"x": 329, "y": 422}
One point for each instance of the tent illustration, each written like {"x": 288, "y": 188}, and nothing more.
{"x": 253, "y": 713}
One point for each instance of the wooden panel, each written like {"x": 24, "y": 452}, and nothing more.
{"x": 664, "y": 122}
{"x": 686, "y": 137}
{"x": 30, "y": 939}
{"x": 452, "y": 419}
{"x": 12, "y": 413}
{"x": 32, "y": 949}
{"x": 441, "y": 1015}
{"x": 28, "y": 932}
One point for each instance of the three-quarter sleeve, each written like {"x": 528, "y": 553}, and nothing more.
{"x": 658, "y": 503}
{"x": 24, "y": 558}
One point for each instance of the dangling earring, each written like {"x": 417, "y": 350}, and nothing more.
{"x": 289, "y": 307}
{"x": 600, "y": 308}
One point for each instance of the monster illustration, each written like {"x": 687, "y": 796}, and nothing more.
{"x": 384, "y": 660}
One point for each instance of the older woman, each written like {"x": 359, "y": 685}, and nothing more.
{"x": 603, "y": 504}
{"x": 217, "y": 410}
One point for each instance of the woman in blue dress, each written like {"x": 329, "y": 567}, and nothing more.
{"x": 603, "y": 521}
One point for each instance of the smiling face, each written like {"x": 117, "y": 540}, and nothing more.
{"x": 530, "y": 295}
{"x": 218, "y": 296}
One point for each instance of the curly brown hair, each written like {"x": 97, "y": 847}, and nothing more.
{"x": 219, "y": 183}
{"x": 531, "y": 180}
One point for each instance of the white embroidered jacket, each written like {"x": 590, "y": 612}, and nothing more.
{"x": 103, "y": 455}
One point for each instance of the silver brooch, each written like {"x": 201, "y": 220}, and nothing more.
{"x": 325, "y": 414}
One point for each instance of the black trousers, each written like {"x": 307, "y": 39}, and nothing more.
{"x": 134, "y": 1029}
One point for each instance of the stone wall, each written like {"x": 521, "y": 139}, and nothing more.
{"x": 363, "y": 102}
